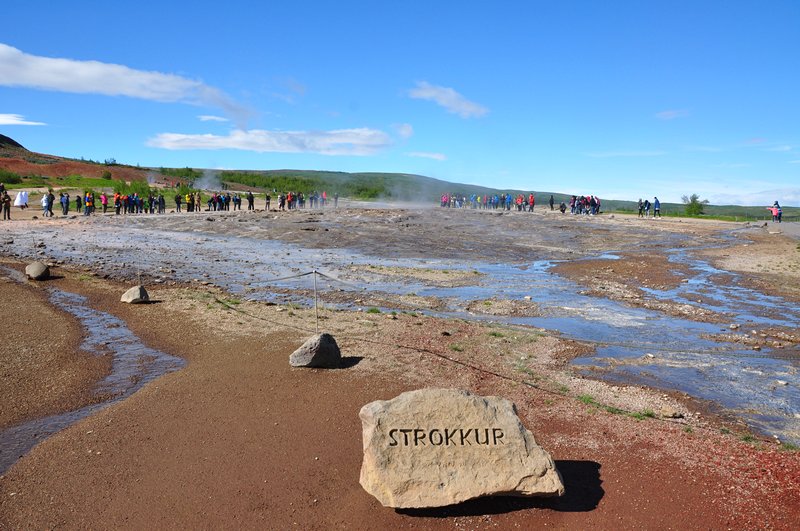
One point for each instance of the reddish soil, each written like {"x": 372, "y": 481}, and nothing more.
{"x": 64, "y": 167}
{"x": 41, "y": 369}
{"x": 239, "y": 439}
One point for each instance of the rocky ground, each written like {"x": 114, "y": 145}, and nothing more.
{"x": 238, "y": 438}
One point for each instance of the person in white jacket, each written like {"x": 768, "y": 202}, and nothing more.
{"x": 45, "y": 205}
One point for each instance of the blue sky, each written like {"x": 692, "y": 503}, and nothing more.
{"x": 622, "y": 99}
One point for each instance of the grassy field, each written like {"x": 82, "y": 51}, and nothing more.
{"x": 40, "y": 181}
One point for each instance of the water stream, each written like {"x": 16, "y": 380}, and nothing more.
{"x": 132, "y": 366}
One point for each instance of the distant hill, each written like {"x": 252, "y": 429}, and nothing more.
{"x": 18, "y": 161}
{"x": 10, "y": 142}
{"x": 400, "y": 187}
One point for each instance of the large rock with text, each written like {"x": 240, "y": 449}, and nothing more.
{"x": 437, "y": 447}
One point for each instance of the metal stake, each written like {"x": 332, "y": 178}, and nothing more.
{"x": 316, "y": 310}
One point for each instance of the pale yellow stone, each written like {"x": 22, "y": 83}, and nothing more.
{"x": 461, "y": 446}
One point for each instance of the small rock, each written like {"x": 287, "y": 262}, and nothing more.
{"x": 670, "y": 413}
{"x": 135, "y": 295}
{"x": 320, "y": 351}
{"x": 734, "y": 326}
{"x": 37, "y": 271}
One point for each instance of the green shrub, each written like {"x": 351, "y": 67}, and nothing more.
{"x": 693, "y": 205}
{"x": 586, "y": 399}
{"x": 9, "y": 177}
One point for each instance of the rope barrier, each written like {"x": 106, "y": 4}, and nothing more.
{"x": 720, "y": 353}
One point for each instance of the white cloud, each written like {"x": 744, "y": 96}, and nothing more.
{"x": 293, "y": 90}
{"x": 19, "y": 69}
{"x": 425, "y": 155}
{"x": 360, "y": 142}
{"x": 672, "y": 114}
{"x": 16, "y": 119}
{"x": 614, "y": 154}
{"x": 447, "y": 98}
{"x": 779, "y": 148}
{"x": 210, "y": 118}
{"x": 404, "y": 130}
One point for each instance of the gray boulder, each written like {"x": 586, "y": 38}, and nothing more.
{"x": 135, "y": 295}
{"x": 37, "y": 271}
{"x": 320, "y": 351}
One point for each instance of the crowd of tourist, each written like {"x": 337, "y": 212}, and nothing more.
{"x": 134, "y": 203}
{"x": 588, "y": 204}
{"x": 294, "y": 200}
{"x": 519, "y": 202}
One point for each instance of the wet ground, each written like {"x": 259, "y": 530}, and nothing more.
{"x": 132, "y": 366}
{"x": 457, "y": 263}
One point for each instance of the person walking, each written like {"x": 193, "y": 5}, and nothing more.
{"x": 777, "y": 212}
{"x": 45, "y": 202}
{"x": 656, "y": 208}
{"x": 5, "y": 199}
{"x": 552, "y": 201}
{"x": 88, "y": 204}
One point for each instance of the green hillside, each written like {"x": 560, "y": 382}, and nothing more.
{"x": 420, "y": 189}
